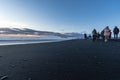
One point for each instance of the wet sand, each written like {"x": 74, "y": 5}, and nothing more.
{"x": 66, "y": 60}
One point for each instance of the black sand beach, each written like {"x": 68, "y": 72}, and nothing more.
{"x": 67, "y": 60}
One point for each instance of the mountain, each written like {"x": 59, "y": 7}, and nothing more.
{"x": 28, "y": 31}
{"x": 73, "y": 34}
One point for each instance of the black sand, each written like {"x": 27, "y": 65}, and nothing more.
{"x": 67, "y": 60}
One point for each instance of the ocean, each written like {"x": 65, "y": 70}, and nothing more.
{"x": 14, "y": 40}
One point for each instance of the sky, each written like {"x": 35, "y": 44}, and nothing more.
{"x": 60, "y": 15}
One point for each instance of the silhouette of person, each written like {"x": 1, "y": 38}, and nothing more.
{"x": 110, "y": 34}
{"x": 98, "y": 35}
{"x": 89, "y": 36}
{"x": 102, "y": 34}
{"x": 85, "y": 36}
{"x": 94, "y": 34}
{"x": 116, "y": 32}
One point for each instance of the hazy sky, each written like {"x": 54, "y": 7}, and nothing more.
{"x": 60, "y": 15}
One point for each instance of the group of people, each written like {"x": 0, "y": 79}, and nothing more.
{"x": 105, "y": 34}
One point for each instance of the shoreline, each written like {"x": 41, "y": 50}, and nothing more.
{"x": 20, "y": 42}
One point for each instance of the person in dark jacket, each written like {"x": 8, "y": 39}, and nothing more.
{"x": 116, "y": 32}
{"x": 98, "y": 35}
{"x": 94, "y": 33}
{"x": 102, "y": 34}
{"x": 85, "y": 36}
{"x": 110, "y": 35}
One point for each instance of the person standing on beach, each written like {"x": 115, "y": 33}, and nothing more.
{"x": 102, "y": 35}
{"x": 94, "y": 33}
{"x": 110, "y": 35}
{"x": 116, "y": 32}
{"x": 85, "y": 36}
{"x": 106, "y": 33}
{"x": 98, "y": 35}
